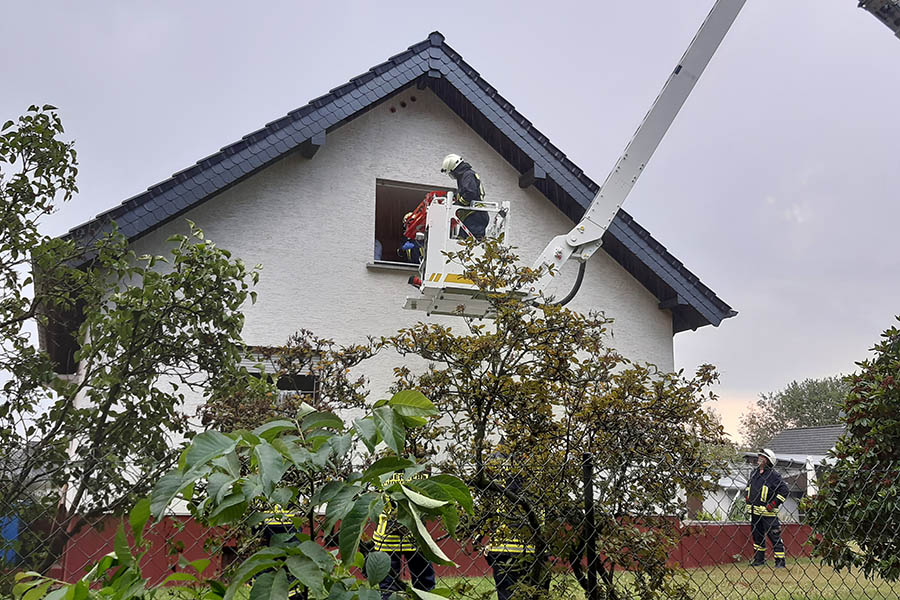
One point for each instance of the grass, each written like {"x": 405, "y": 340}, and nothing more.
{"x": 802, "y": 580}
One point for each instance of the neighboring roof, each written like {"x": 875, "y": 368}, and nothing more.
{"x": 807, "y": 441}
{"x": 435, "y": 65}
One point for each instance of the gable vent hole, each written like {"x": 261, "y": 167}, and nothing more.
{"x": 412, "y": 98}
{"x": 393, "y": 109}
{"x": 403, "y": 105}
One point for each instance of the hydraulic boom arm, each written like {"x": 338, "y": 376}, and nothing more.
{"x": 585, "y": 238}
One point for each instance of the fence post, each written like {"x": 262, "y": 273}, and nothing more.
{"x": 590, "y": 526}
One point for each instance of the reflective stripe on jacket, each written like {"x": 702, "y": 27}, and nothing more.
{"x": 763, "y": 490}
{"x": 390, "y": 535}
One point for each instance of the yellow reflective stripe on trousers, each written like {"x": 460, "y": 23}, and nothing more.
{"x": 779, "y": 555}
{"x": 510, "y": 548}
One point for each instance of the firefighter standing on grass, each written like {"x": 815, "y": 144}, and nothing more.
{"x": 392, "y": 537}
{"x": 765, "y": 493}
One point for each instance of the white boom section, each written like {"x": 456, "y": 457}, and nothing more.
{"x": 585, "y": 238}
{"x": 886, "y": 11}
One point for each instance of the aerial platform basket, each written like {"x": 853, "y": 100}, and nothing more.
{"x": 443, "y": 289}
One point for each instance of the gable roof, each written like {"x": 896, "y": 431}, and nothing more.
{"x": 811, "y": 441}
{"x": 428, "y": 64}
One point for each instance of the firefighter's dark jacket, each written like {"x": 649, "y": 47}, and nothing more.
{"x": 468, "y": 184}
{"x": 765, "y": 492}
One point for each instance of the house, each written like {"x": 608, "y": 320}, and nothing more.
{"x": 312, "y": 194}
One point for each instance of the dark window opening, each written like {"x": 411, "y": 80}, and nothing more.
{"x": 393, "y": 199}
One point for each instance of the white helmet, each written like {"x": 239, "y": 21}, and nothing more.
{"x": 770, "y": 456}
{"x": 451, "y": 161}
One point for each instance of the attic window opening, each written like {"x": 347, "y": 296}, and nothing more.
{"x": 293, "y": 385}
{"x": 393, "y": 199}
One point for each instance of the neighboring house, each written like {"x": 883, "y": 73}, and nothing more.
{"x": 312, "y": 194}
{"x": 801, "y": 453}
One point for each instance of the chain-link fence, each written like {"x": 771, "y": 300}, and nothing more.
{"x": 562, "y": 529}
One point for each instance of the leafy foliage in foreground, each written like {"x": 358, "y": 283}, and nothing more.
{"x": 237, "y": 479}
{"x": 857, "y": 509}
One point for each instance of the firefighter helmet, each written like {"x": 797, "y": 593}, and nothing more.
{"x": 450, "y": 162}
{"x": 770, "y": 456}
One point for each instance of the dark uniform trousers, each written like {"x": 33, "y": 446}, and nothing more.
{"x": 421, "y": 573}
{"x": 509, "y": 569}
{"x": 763, "y": 527}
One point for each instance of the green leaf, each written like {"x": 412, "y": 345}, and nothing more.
{"x": 230, "y": 509}
{"x": 271, "y": 465}
{"x": 57, "y": 594}
{"x": 422, "y": 500}
{"x": 179, "y": 577}
{"x": 37, "y": 592}
{"x": 412, "y": 403}
{"x": 207, "y": 446}
{"x": 353, "y": 523}
{"x": 339, "y": 505}
{"x": 199, "y": 565}
{"x": 258, "y": 562}
{"x": 388, "y": 464}
{"x": 121, "y": 547}
{"x": 138, "y": 518}
{"x": 230, "y": 463}
{"x": 321, "y": 420}
{"x": 391, "y": 428}
{"x": 423, "y": 595}
{"x": 307, "y": 572}
{"x": 270, "y": 586}
{"x": 367, "y": 432}
{"x": 454, "y": 486}
{"x": 269, "y": 431}
{"x": 218, "y": 485}
{"x": 411, "y": 519}
{"x": 366, "y": 594}
{"x": 77, "y": 591}
{"x": 319, "y": 555}
{"x": 165, "y": 491}
{"x": 450, "y": 517}
{"x": 304, "y": 410}
{"x": 378, "y": 564}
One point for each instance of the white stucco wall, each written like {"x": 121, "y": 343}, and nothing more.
{"x": 310, "y": 223}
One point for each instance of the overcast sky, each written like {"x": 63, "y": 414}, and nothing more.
{"x": 776, "y": 185}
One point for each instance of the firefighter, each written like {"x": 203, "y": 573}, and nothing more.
{"x": 765, "y": 493}
{"x": 469, "y": 191}
{"x": 509, "y": 552}
{"x": 392, "y": 537}
{"x": 280, "y": 521}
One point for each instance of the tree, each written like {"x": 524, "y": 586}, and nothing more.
{"x": 221, "y": 493}
{"x": 149, "y": 330}
{"x": 537, "y": 387}
{"x": 810, "y": 403}
{"x": 857, "y": 510}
